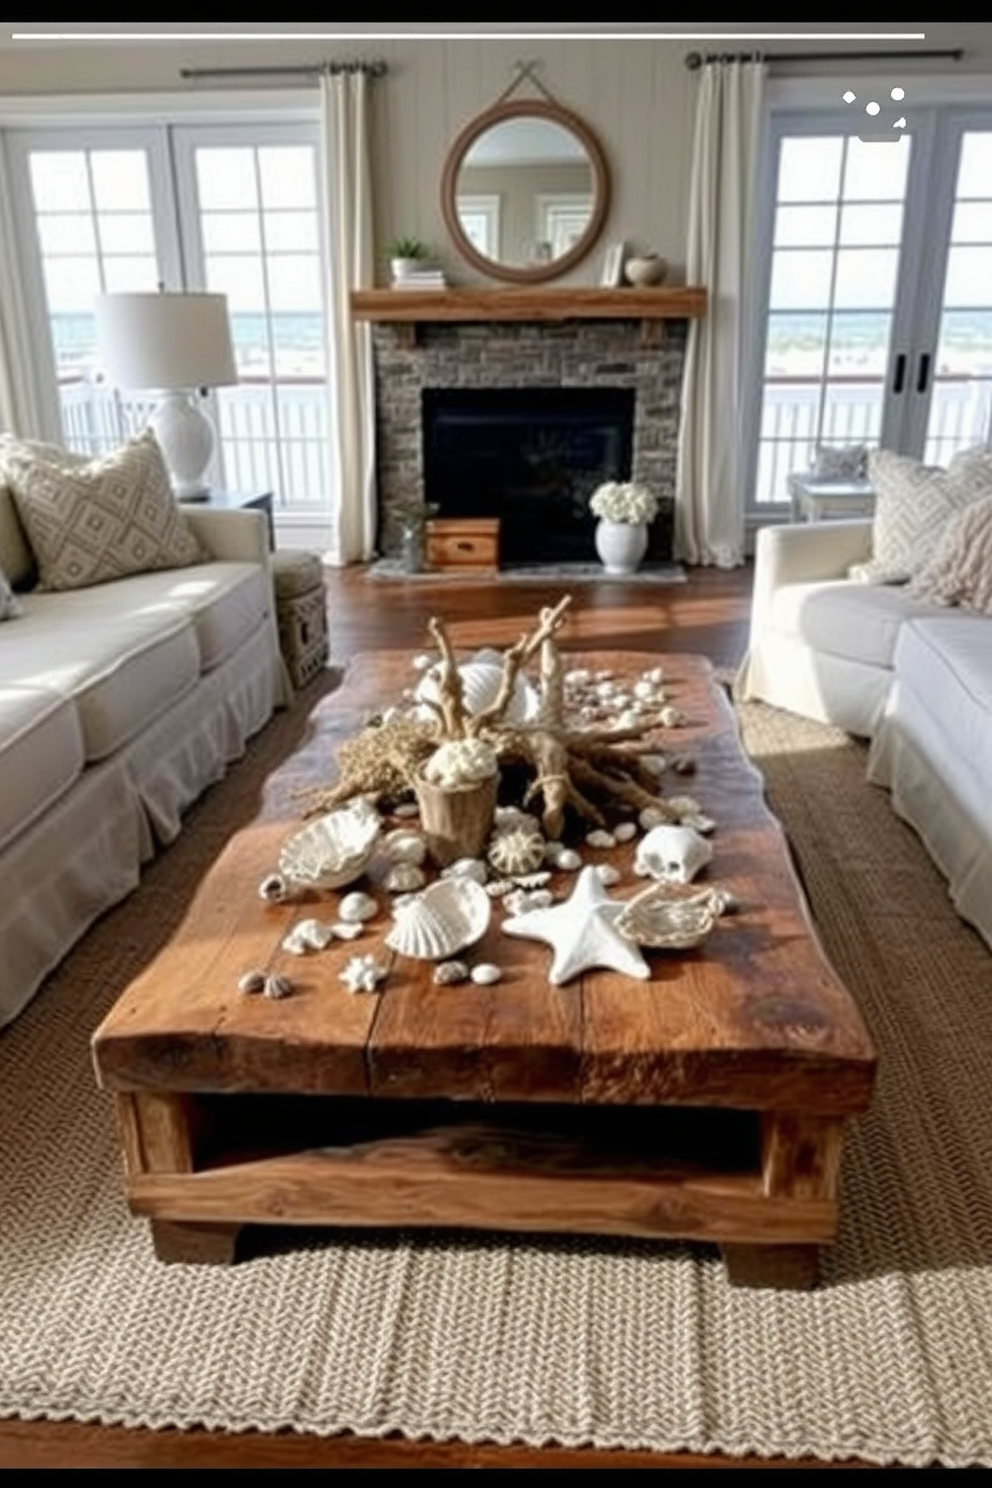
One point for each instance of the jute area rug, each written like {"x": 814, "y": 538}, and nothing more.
{"x": 539, "y": 1339}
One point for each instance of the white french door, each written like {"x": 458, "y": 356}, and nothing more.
{"x": 874, "y": 320}
{"x": 233, "y": 208}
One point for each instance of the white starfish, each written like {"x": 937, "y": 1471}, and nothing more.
{"x": 581, "y": 932}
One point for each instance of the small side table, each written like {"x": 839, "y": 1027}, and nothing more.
{"x": 301, "y": 611}
{"x": 818, "y": 500}
{"x": 239, "y": 501}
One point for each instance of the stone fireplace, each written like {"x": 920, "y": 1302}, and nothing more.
{"x": 635, "y": 365}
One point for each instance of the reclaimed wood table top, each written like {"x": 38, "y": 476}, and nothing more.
{"x": 754, "y": 1018}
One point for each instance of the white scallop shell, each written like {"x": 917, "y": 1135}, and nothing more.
{"x": 673, "y": 854}
{"x": 332, "y": 850}
{"x": 446, "y": 917}
{"x": 669, "y": 916}
{"x": 481, "y": 682}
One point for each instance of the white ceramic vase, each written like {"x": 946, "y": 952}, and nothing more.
{"x": 621, "y": 545}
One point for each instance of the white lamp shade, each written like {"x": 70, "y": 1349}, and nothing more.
{"x": 165, "y": 341}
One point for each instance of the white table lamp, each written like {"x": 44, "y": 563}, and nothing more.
{"x": 173, "y": 344}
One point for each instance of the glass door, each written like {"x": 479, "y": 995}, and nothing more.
{"x": 873, "y": 324}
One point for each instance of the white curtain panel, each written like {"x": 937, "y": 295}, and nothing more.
{"x": 351, "y": 254}
{"x": 20, "y": 405}
{"x": 709, "y": 503}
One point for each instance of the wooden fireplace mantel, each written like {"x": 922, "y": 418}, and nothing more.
{"x": 409, "y": 308}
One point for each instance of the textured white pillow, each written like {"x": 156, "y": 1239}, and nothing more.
{"x": 913, "y": 503}
{"x": 89, "y": 521}
{"x": 10, "y": 605}
{"x": 960, "y": 571}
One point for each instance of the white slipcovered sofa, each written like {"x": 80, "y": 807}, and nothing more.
{"x": 892, "y": 642}
{"x": 121, "y": 698}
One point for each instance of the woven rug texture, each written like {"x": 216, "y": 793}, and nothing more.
{"x": 532, "y": 1339}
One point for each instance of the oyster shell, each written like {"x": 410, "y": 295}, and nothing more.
{"x": 445, "y": 918}
{"x": 332, "y": 850}
{"x": 669, "y": 916}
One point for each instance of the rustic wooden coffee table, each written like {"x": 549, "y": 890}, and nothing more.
{"x": 707, "y": 1104}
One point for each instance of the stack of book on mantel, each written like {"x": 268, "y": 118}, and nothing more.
{"x": 427, "y": 277}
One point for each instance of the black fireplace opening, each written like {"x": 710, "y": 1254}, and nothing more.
{"x": 531, "y": 457}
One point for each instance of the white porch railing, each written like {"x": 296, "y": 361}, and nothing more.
{"x": 271, "y": 439}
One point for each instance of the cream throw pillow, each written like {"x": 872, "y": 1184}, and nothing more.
{"x": 960, "y": 571}
{"x": 89, "y": 521}
{"x": 913, "y": 504}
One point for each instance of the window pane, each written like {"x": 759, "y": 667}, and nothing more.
{"x": 125, "y": 274}
{"x": 120, "y": 180}
{"x": 294, "y": 282}
{"x": 226, "y": 177}
{"x": 805, "y": 226}
{"x": 230, "y": 232}
{"x": 975, "y": 172}
{"x": 809, "y": 170}
{"x": 852, "y": 413}
{"x": 66, "y": 233}
{"x": 864, "y": 225}
{"x": 796, "y": 346}
{"x": 876, "y": 174}
{"x": 291, "y": 231}
{"x": 866, "y": 278}
{"x": 71, "y": 283}
{"x": 973, "y": 222}
{"x": 965, "y": 345}
{"x": 801, "y": 279}
{"x": 287, "y": 176}
{"x": 127, "y": 232}
{"x": 300, "y": 345}
{"x": 969, "y": 276}
{"x": 241, "y": 279}
{"x": 859, "y": 345}
{"x": 59, "y": 182}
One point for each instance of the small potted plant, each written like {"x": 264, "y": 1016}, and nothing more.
{"x": 405, "y": 253}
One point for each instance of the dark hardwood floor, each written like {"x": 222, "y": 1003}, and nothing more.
{"x": 709, "y": 615}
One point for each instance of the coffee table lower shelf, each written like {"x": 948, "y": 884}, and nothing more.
{"x": 759, "y": 1185}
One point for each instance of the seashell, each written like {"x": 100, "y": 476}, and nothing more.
{"x": 406, "y": 809}
{"x": 699, "y": 823}
{"x": 334, "y": 849}
{"x": 252, "y": 982}
{"x": 362, "y": 974}
{"x": 481, "y": 680}
{"x": 460, "y": 762}
{"x": 405, "y": 846}
{"x": 607, "y": 874}
{"x": 652, "y": 816}
{"x": 600, "y": 838}
{"x": 656, "y": 763}
{"x": 485, "y": 974}
{"x": 670, "y": 717}
{"x": 684, "y": 806}
{"x": 672, "y": 853}
{"x": 519, "y": 901}
{"x": 446, "y": 917}
{"x": 357, "y": 907}
{"x": 569, "y": 861}
{"x": 466, "y": 868}
{"x": 404, "y": 878}
{"x": 308, "y": 935}
{"x": 274, "y": 889}
{"x": 277, "y": 986}
{"x": 577, "y": 677}
{"x": 450, "y": 973}
{"x": 683, "y": 764}
{"x": 669, "y": 916}
{"x": 346, "y": 929}
{"x": 656, "y": 675}
{"x": 498, "y": 888}
{"x": 516, "y": 848}
{"x": 625, "y": 832}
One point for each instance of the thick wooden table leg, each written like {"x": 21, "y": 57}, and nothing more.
{"x": 194, "y": 1244}
{"x": 800, "y": 1158}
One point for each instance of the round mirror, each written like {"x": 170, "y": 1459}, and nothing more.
{"x": 525, "y": 191}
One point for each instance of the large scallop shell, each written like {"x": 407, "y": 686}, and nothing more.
{"x": 446, "y": 917}
{"x": 481, "y": 682}
{"x": 332, "y": 850}
{"x": 669, "y": 916}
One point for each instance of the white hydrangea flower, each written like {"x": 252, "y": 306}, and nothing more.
{"x": 624, "y": 501}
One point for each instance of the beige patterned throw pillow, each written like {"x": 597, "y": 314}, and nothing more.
{"x": 89, "y": 521}
{"x": 10, "y": 605}
{"x": 913, "y": 504}
{"x": 960, "y": 571}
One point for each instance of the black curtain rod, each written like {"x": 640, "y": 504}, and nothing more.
{"x": 315, "y": 69}
{"x": 695, "y": 60}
